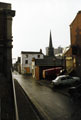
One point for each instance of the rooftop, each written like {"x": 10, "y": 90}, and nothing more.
{"x": 30, "y": 52}
{"x": 48, "y": 61}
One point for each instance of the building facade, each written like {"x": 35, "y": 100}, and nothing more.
{"x": 73, "y": 55}
{"x": 58, "y": 50}
{"x": 38, "y": 65}
{"x": 26, "y": 60}
{"x": 6, "y": 15}
{"x": 75, "y": 29}
{"x": 7, "y": 111}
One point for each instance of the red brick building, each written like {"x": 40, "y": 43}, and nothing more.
{"x": 75, "y": 49}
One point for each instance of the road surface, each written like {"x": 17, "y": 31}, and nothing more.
{"x": 51, "y": 104}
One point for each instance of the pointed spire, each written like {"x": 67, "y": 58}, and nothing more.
{"x": 50, "y": 48}
{"x": 50, "y": 41}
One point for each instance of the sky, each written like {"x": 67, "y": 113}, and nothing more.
{"x": 35, "y": 18}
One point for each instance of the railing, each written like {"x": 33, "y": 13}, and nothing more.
{"x": 15, "y": 101}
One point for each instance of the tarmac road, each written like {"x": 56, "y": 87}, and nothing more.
{"x": 26, "y": 110}
{"x": 51, "y": 104}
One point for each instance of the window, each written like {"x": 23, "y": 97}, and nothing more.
{"x": 64, "y": 78}
{"x": 68, "y": 77}
{"x": 38, "y": 56}
{"x": 26, "y": 61}
{"x": 27, "y": 56}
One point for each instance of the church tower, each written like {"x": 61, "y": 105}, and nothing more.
{"x": 50, "y": 49}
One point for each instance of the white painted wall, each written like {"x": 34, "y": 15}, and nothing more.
{"x": 29, "y": 58}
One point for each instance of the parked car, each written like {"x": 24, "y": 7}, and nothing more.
{"x": 65, "y": 80}
{"x": 75, "y": 91}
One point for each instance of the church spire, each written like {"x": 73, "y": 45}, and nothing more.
{"x": 50, "y": 41}
{"x": 50, "y": 48}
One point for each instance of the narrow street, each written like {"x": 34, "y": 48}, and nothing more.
{"x": 24, "y": 107}
{"x": 51, "y": 104}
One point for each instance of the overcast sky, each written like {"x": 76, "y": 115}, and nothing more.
{"x": 35, "y": 18}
